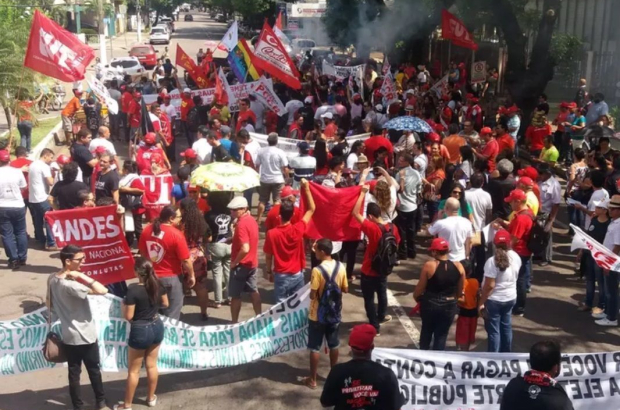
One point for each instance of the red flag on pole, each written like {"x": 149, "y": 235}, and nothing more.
{"x": 279, "y": 20}
{"x": 453, "y": 29}
{"x": 271, "y": 56}
{"x": 55, "y": 52}
{"x": 220, "y": 96}
{"x": 186, "y": 62}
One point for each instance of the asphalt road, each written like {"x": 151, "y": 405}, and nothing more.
{"x": 274, "y": 384}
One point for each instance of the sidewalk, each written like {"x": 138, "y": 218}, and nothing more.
{"x": 120, "y": 45}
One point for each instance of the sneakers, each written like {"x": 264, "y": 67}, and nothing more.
{"x": 598, "y": 315}
{"x": 386, "y": 319}
{"x": 606, "y": 322}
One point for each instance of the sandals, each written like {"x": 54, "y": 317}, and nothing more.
{"x": 118, "y": 407}
{"x": 153, "y": 402}
{"x": 309, "y": 383}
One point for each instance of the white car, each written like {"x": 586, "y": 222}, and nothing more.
{"x": 120, "y": 66}
{"x": 299, "y": 45}
{"x": 159, "y": 34}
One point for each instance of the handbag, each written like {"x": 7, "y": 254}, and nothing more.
{"x": 53, "y": 347}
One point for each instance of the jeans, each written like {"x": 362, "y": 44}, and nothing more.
{"x": 89, "y": 354}
{"x": 144, "y": 334}
{"x": 13, "y": 233}
{"x": 25, "y": 133}
{"x": 115, "y": 125}
{"x": 499, "y": 325}
{"x": 594, "y": 275}
{"x": 548, "y": 253}
{"x": 220, "y": 258}
{"x": 137, "y": 224}
{"x": 348, "y": 255}
{"x": 286, "y": 284}
{"x": 38, "y": 211}
{"x": 371, "y": 285}
{"x": 174, "y": 290}
{"x": 611, "y": 284}
{"x": 478, "y": 258}
{"x": 437, "y": 316}
{"x": 406, "y": 222}
{"x": 575, "y": 216}
{"x": 522, "y": 281}
{"x": 433, "y": 208}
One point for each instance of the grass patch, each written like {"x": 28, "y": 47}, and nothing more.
{"x": 40, "y": 131}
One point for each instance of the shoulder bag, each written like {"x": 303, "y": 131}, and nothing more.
{"x": 53, "y": 347}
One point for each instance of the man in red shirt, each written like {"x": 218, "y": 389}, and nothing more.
{"x": 330, "y": 126}
{"x": 284, "y": 249}
{"x": 536, "y": 133}
{"x": 520, "y": 228}
{"x": 165, "y": 246}
{"x": 371, "y": 282}
{"x": 243, "y": 258}
{"x": 244, "y": 113}
{"x": 490, "y": 149}
{"x": 187, "y": 103}
{"x": 135, "y": 117}
{"x": 376, "y": 141}
{"x": 504, "y": 140}
{"x": 126, "y": 99}
{"x": 273, "y": 217}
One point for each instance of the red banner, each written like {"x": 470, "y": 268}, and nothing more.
{"x": 271, "y": 56}
{"x": 332, "y": 218}
{"x": 157, "y": 194}
{"x": 187, "y": 63}
{"x": 98, "y": 231}
{"x": 55, "y": 52}
{"x": 454, "y": 29}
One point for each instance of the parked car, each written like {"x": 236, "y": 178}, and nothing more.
{"x": 302, "y": 44}
{"x": 121, "y": 66}
{"x": 160, "y": 35}
{"x": 146, "y": 54}
{"x": 169, "y": 21}
{"x": 188, "y": 17}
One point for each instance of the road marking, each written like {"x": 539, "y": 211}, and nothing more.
{"x": 404, "y": 319}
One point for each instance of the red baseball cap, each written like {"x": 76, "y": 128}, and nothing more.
{"x": 527, "y": 181}
{"x": 63, "y": 159}
{"x": 529, "y": 171}
{"x": 433, "y": 137}
{"x": 137, "y": 94}
{"x": 486, "y": 131}
{"x": 439, "y": 244}
{"x": 515, "y": 195}
{"x": 189, "y": 153}
{"x": 100, "y": 149}
{"x": 150, "y": 138}
{"x": 502, "y": 237}
{"x": 4, "y": 155}
{"x": 512, "y": 109}
{"x": 288, "y": 191}
{"x": 362, "y": 337}
{"x": 439, "y": 128}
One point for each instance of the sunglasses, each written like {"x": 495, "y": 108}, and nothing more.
{"x": 457, "y": 192}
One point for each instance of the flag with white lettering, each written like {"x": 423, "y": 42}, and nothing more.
{"x": 98, "y": 231}
{"x": 605, "y": 258}
{"x": 265, "y": 94}
{"x": 56, "y": 52}
{"x": 271, "y": 56}
{"x": 158, "y": 190}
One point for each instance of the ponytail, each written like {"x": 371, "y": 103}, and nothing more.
{"x": 145, "y": 271}
{"x": 502, "y": 261}
{"x": 167, "y": 213}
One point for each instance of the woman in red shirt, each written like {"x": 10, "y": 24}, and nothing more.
{"x": 435, "y": 176}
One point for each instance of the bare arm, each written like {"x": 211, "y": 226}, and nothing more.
{"x": 461, "y": 284}
{"x": 357, "y": 209}
{"x": 268, "y": 263}
{"x": 96, "y": 288}
{"x": 421, "y": 286}
{"x": 189, "y": 267}
{"x": 245, "y": 249}
{"x": 310, "y": 201}
{"x": 388, "y": 178}
{"x": 116, "y": 197}
{"x": 487, "y": 289}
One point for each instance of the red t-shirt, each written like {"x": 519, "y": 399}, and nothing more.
{"x": 138, "y": 184}
{"x": 143, "y": 157}
{"x": 290, "y": 256}
{"x": 166, "y": 251}
{"x": 330, "y": 130}
{"x": 244, "y": 115}
{"x": 246, "y": 232}
{"x": 126, "y": 98}
{"x": 505, "y": 141}
{"x": 520, "y": 228}
{"x": 491, "y": 150}
{"x": 166, "y": 128}
{"x": 373, "y": 232}
{"x": 135, "y": 114}
{"x": 274, "y": 219}
{"x": 186, "y": 104}
{"x": 536, "y": 135}
{"x": 372, "y": 144}
{"x": 19, "y": 163}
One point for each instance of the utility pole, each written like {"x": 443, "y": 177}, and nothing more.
{"x": 139, "y": 20}
{"x": 103, "y": 55}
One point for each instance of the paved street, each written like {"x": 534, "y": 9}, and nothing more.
{"x": 273, "y": 384}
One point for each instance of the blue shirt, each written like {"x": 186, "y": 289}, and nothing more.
{"x": 595, "y": 112}
{"x": 227, "y": 144}
{"x": 178, "y": 193}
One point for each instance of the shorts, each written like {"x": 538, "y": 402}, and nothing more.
{"x": 466, "y": 330}
{"x": 133, "y": 132}
{"x": 146, "y": 334}
{"x": 319, "y": 331}
{"x": 67, "y": 124}
{"x": 242, "y": 279}
{"x": 266, "y": 190}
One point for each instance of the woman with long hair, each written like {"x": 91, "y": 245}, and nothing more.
{"x": 357, "y": 149}
{"x": 499, "y": 293}
{"x": 385, "y": 194}
{"x": 140, "y": 307}
{"x": 438, "y": 290}
{"x": 458, "y": 192}
{"x": 195, "y": 229}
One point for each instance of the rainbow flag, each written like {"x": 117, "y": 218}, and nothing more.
{"x": 240, "y": 60}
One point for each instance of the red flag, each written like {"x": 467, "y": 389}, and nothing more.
{"x": 157, "y": 193}
{"x": 332, "y": 218}
{"x": 454, "y": 29}
{"x": 55, "y": 52}
{"x": 279, "y": 20}
{"x": 187, "y": 63}
{"x": 98, "y": 231}
{"x": 271, "y": 56}
{"x": 220, "y": 96}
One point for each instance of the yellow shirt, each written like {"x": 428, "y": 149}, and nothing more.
{"x": 225, "y": 114}
{"x": 317, "y": 282}
{"x": 531, "y": 201}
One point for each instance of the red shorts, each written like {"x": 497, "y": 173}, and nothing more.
{"x": 466, "y": 330}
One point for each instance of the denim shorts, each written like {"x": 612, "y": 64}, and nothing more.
{"x": 317, "y": 331}
{"x": 146, "y": 334}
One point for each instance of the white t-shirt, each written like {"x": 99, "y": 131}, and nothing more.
{"x": 455, "y": 230}
{"x": 12, "y": 181}
{"x": 422, "y": 162}
{"x": 505, "y": 282}
{"x": 271, "y": 160}
{"x": 101, "y": 142}
{"x": 352, "y": 161}
{"x": 597, "y": 196}
{"x": 170, "y": 111}
{"x": 612, "y": 238}
{"x": 480, "y": 202}
{"x": 291, "y": 108}
{"x": 203, "y": 150}
{"x": 38, "y": 188}
{"x": 58, "y": 173}
{"x": 550, "y": 194}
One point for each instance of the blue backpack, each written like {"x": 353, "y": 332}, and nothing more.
{"x": 330, "y": 303}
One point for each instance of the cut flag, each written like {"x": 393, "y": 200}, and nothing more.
{"x": 453, "y": 29}
{"x": 223, "y": 93}
{"x": 231, "y": 38}
{"x": 240, "y": 61}
{"x": 271, "y": 57}
{"x": 263, "y": 91}
{"x": 55, "y": 52}
{"x": 186, "y": 62}
{"x": 278, "y": 24}
{"x": 604, "y": 258}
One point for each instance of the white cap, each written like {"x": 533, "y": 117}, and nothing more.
{"x": 238, "y": 202}
{"x": 308, "y": 99}
{"x": 187, "y": 90}
{"x": 603, "y": 203}
{"x": 379, "y": 107}
{"x": 410, "y": 91}
{"x": 328, "y": 115}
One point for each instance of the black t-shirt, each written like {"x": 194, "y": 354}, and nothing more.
{"x": 219, "y": 225}
{"x": 106, "y": 184}
{"x": 377, "y": 384}
{"x": 520, "y": 395}
{"x": 138, "y": 296}
{"x": 81, "y": 155}
{"x": 597, "y": 230}
{"x": 66, "y": 193}
{"x": 220, "y": 154}
{"x": 500, "y": 189}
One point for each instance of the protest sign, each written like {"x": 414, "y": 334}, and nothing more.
{"x": 98, "y": 231}
{"x": 476, "y": 381}
{"x": 388, "y": 89}
{"x": 289, "y": 145}
{"x": 440, "y": 87}
{"x": 102, "y": 92}
{"x": 158, "y": 190}
{"x": 341, "y": 72}
{"x": 281, "y": 329}
{"x": 478, "y": 72}
{"x": 265, "y": 94}
{"x": 605, "y": 258}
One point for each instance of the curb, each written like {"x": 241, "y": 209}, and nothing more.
{"x": 45, "y": 142}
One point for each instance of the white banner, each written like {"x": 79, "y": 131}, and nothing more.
{"x": 264, "y": 93}
{"x": 476, "y": 381}
{"x": 340, "y": 72}
{"x": 281, "y": 329}
{"x": 605, "y": 258}
{"x": 388, "y": 89}
{"x": 289, "y": 145}
{"x": 102, "y": 92}
{"x": 308, "y": 10}
{"x": 440, "y": 86}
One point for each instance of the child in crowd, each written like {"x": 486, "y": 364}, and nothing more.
{"x": 468, "y": 313}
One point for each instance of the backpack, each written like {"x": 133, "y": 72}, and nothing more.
{"x": 539, "y": 239}
{"x": 193, "y": 119}
{"x": 330, "y": 303}
{"x": 386, "y": 255}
